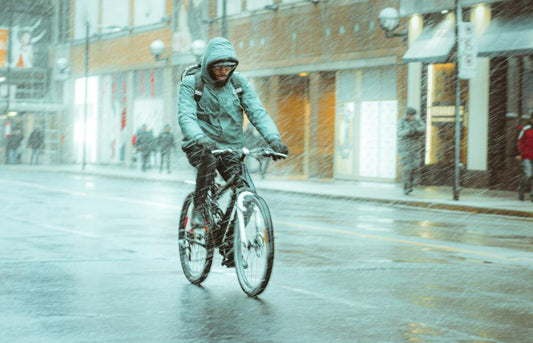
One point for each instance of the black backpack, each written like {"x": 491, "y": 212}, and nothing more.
{"x": 199, "y": 84}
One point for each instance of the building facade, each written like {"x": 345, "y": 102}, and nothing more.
{"x": 492, "y": 102}
{"x": 324, "y": 71}
{"x": 332, "y": 81}
{"x": 28, "y": 96}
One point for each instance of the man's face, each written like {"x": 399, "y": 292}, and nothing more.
{"x": 221, "y": 73}
{"x": 410, "y": 117}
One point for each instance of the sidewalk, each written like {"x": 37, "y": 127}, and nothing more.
{"x": 434, "y": 197}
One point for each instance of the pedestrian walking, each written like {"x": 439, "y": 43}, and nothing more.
{"x": 165, "y": 142}
{"x": 145, "y": 145}
{"x": 36, "y": 143}
{"x": 13, "y": 143}
{"x": 410, "y": 146}
{"x": 525, "y": 147}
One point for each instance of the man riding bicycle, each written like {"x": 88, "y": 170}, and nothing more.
{"x": 215, "y": 121}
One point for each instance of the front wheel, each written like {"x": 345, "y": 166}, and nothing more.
{"x": 254, "y": 248}
{"x": 195, "y": 246}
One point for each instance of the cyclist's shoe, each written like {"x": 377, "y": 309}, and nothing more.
{"x": 227, "y": 257}
{"x": 228, "y": 261}
{"x": 198, "y": 218}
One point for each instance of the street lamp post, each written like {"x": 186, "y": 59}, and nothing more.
{"x": 225, "y": 18}
{"x": 457, "y": 135}
{"x": 86, "y": 74}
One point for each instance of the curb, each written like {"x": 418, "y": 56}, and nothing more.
{"x": 398, "y": 202}
{"x": 413, "y": 203}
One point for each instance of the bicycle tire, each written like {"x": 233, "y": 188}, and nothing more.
{"x": 195, "y": 246}
{"x": 259, "y": 243}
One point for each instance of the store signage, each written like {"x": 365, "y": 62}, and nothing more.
{"x": 4, "y": 33}
{"x": 467, "y": 51}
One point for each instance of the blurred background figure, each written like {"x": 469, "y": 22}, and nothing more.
{"x": 13, "y": 143}
{"x": 145, "y": 145}
{"x": 165, "y": 142}
{"x": 410, "y": 145}
{"x": 525, "y": 147}
{"x": 36, "y": 143}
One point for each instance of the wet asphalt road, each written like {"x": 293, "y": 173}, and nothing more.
{"x": 89, "y": 259}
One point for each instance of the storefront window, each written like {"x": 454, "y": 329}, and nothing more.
{"x": 367, "y": 112}
{"x": 148, "y": 12}
{"x": 113, "y": 133}
{"x": 86, "y": 11}
{"x": 115, "y": 13}
{"x": 440, "y": 119}
{"x": 232, "y": 7}
{"x": 148, "y": 102}
{"x": 85, "y": 124}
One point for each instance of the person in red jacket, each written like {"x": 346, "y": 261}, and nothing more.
{"x": 525, "y": 146}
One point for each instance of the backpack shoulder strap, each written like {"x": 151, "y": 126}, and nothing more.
{"x": 238, "y": 87}
{"x": 198, "y": 87}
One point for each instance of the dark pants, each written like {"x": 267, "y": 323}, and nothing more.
{"x": 410, "y": 167}
{"x": 527, "y": 178}
{"x": 165, "y": 158}
{"x": 35, "y": 156}
{"x": 207, "y": 165}
{"x": 145, "y": 160}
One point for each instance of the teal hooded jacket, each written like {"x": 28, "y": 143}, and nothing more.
{"x": 219, "y": 114}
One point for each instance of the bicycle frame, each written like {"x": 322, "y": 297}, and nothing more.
{"x": 237, "y": 198}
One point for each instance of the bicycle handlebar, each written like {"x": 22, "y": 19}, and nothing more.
{"x": 245, "y": 151}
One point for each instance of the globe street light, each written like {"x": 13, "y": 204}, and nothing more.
{"x": 198, "y": 48}
{"x": 157, "y": 48}
{"x": 389, "y": 20}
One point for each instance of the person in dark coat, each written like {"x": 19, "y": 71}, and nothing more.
{"x": 36, "y": 142}
{"x": 145, "y": 145}
{"x": 410, "y": 145}
{"x": 165, "y": 141}
{"x": 12, "y": 146}
{"x": 525, "y": 146}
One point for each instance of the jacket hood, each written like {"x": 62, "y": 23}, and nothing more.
{"x": 218, "y": 49}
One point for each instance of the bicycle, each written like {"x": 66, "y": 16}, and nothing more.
{"x": 250, "y": 245}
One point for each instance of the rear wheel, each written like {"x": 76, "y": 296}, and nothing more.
{"x": 254, "y": 254}
{"x": 195, "y": 246}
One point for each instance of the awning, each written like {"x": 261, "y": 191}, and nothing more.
{"x": 31, "y": 106}
{"x": 507, "y": 36}
{"x": 434, "y": 43}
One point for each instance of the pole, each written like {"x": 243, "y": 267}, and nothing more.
{"x": 225, "y": 18}
{"x": 86, "y": 92}
{"x": 8, "y": 62}
{"x": 457, "y": 135}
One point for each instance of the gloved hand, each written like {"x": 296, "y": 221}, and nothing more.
{"x": 206, "y": 143}
{"x": 278, "y": 146}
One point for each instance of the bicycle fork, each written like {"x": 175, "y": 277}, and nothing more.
{"x": 240, "y": 216}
